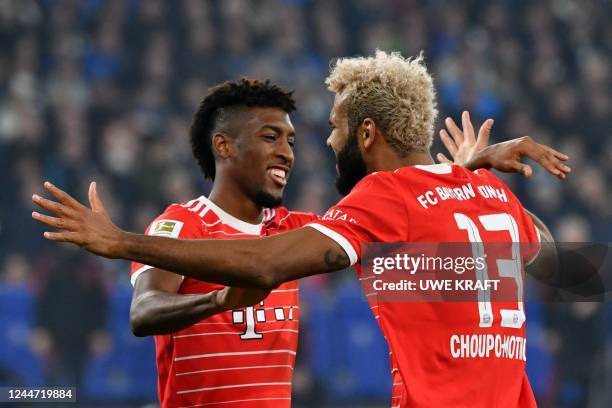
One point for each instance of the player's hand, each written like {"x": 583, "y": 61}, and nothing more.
{"x": 90, "y": 228}
{"x": 474, "y": 153}
{"x": 233, "y": 298}
{"x": 507, "y": 156}
{"x": 463, "y": 144}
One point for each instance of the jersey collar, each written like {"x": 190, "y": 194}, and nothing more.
{"x": 236, "y": 223}
{"x": 441, "y": 168}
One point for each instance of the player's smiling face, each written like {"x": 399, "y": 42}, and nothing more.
{"x": 343, "y": 141}
{"x": 264, "y": 155}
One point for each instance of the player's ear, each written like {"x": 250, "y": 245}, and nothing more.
{"x": 367, "y": 132}
{"x": 222, "y": 145}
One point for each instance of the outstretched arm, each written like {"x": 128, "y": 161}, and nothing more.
{"x": 263, "y": 262}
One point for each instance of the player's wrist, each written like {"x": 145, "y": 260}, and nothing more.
{"x": 480, "y": 160}
{"x": 218, "y": 301}
{"x": 125, "y": 245}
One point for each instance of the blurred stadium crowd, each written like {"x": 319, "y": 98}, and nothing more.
{"x": 105, "y": 89}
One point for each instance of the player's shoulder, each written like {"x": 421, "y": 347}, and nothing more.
{"x": 431, "y": 172}
{"x": 375, "y": 180}
{"x": 280, "y": 218}
{"x": 183, "y": 210}
{"x": 485, "y": 175}
{"x": 390, "y": 184}
{"x": 385, "y": 179}
{"x": 448, "y": 172}
{"x": 174, "y": 218}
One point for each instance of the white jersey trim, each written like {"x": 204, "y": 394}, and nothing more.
{"x": 284, "y": 290}
{"x": 235, "y": 401}
{"x": 224, "y": 387}
{"x": 441, "y": 168}
{"x": 340, "y": 240}
{"x": 182, "y": 336}
{"x": 138, "y": 272}
{"x": 237, "y": 353}
{"x": 226, "y": 218}
{"x": 214, "y": 370}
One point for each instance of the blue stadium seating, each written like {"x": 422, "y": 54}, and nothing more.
{"x": 539, "y": 360}
{"x": 18, "y": 363}
{"x": 127, "y": 372}
{"x": 339, "y": 332}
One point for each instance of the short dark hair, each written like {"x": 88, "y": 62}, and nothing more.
{"x": 244, "y": 92}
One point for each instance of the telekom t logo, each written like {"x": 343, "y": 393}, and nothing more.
{"x": 251, "y": 316}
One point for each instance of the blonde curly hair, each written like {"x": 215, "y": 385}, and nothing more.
{"x": 396, "y": 92}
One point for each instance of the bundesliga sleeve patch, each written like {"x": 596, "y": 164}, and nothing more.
{"x": 166, "y": 228}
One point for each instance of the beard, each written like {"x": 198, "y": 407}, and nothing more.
{"x": 351, "y": 166}
{"x": 267, "y": 200}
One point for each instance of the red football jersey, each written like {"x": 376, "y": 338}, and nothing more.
{"x": 242, "y": 357}
{"x": 443, "y": 354}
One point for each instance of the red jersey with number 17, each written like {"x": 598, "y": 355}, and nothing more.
{"x": 443, "y": 354}
{"x": 239, "y": 358}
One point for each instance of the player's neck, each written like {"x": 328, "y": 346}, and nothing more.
{"x": 233, "y": 201}
{"x": 390, "y": 162}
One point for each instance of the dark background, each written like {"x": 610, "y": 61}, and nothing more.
{"x": 105, "y": 90}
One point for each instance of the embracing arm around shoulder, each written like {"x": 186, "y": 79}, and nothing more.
{"x": 262, "y": 262}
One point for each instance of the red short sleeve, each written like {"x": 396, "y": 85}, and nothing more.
{"x": 372, "y": 212}
{"x": 283, "y": 220}
{"x": 175, "y": 222}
